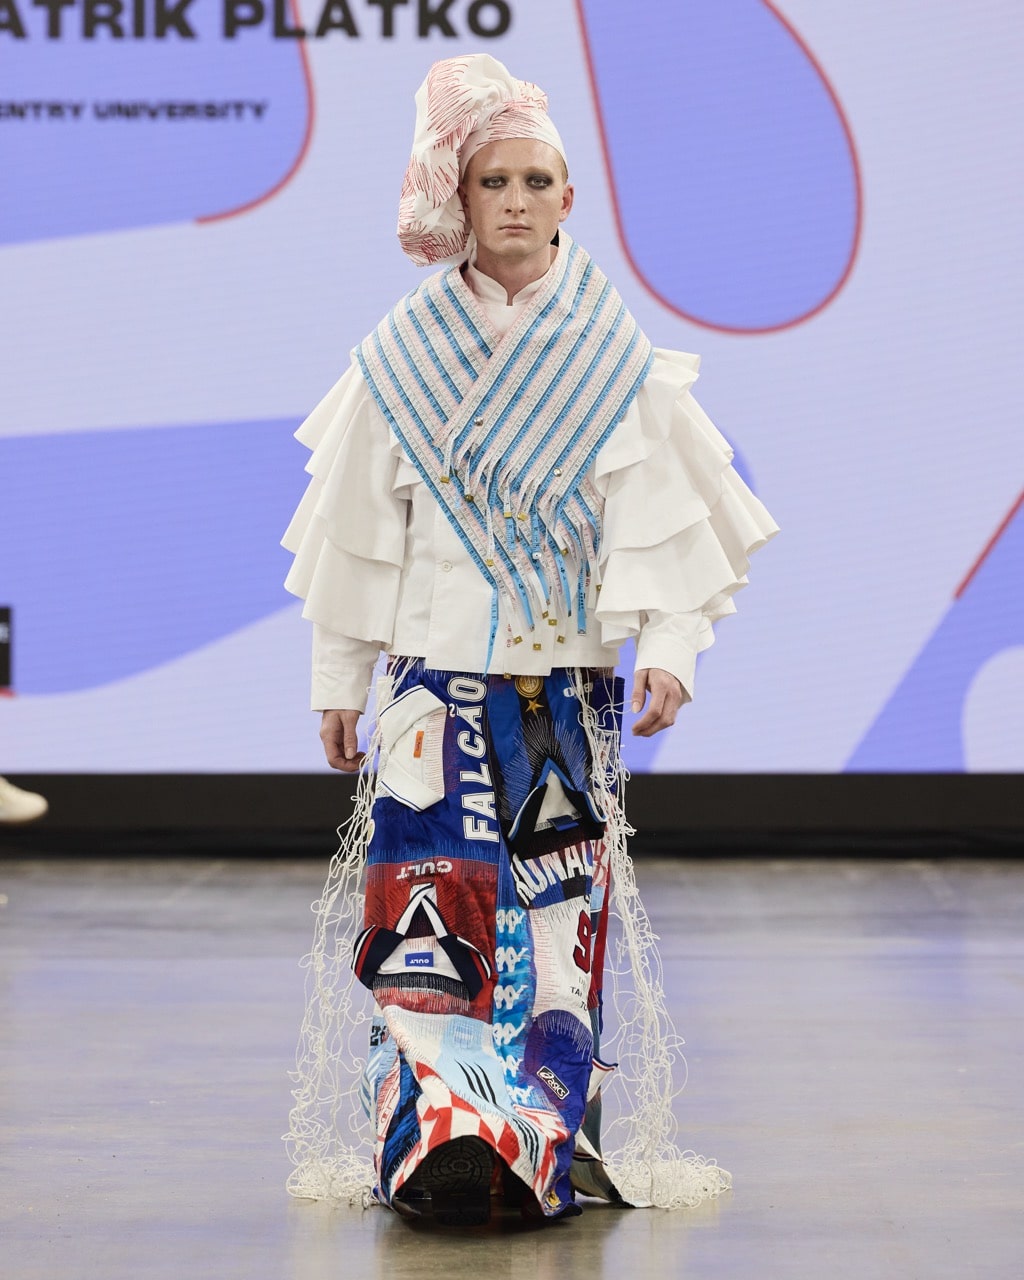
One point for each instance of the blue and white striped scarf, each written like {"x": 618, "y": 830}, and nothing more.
{"x": 503, "y": 431}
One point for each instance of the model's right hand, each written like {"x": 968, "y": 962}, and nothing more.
{"x": 341, "y": 742}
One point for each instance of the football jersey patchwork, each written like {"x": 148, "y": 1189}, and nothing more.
{"x": 480, "y": 922}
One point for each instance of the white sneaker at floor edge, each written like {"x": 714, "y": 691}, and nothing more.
{"x": 17, "y": 806}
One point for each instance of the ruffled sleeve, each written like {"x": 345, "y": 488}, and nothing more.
{"x": 348, "y": 533}
{"x": 679, "y": 523}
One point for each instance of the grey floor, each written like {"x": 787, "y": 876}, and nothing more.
{"x": 854, "y": 1031}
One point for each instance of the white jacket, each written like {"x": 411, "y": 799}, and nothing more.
{"x": 380, "y": 567}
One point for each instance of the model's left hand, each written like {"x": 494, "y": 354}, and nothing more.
{"x": 666, "y": 698}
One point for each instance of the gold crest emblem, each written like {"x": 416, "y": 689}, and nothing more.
{"x": 529, "y": 686}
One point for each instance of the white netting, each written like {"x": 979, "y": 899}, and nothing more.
{"x": 640, "y": 1128}
{"x": 330, "y": 1139}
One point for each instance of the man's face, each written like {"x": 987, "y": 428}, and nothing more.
{"x": 515, "y": 194}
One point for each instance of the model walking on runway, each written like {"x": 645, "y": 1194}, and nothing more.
{"x": 507, "y": 483}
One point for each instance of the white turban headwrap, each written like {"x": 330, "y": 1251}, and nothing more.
{"x": 463, "y": 104}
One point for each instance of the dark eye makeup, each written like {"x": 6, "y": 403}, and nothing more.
{"x": 492, "y": 181}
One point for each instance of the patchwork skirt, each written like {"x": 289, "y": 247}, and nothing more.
{"x": 471, "y": 897}
{"x": 485, "y": 924}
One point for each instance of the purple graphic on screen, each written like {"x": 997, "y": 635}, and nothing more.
{"x": 66, "y": 175}
{"x": 732, "y": 166}
{"x": 126, "y": 549}
{"x": 129, "y": 548}
{"x": 920, "y": 727}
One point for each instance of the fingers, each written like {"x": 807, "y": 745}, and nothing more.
{"x": 654, "y": 718}
{"x": 666, "y": 699}
{"x": 350, "y": 738}
{"x": 338, "y": 733}
{"x": 639, "y": 689}
{"x": 331, "y": 737}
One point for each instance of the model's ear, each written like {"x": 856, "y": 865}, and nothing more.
{"x": 567, "y": 198}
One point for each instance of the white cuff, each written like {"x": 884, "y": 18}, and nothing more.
{"x": 342, "y": 671}
{"x": 672, "y": 641}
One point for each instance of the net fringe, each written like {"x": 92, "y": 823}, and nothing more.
{"x": 330, "y": 1139}
{"x": 641, "y": 1128}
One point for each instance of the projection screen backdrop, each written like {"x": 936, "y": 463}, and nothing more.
{"x": 197, "y": 224}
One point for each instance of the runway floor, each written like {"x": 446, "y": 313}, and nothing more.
{"x": 854, "y": 1036}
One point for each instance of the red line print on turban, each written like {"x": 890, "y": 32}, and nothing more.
{"x": 307, "y": 137}
{"x": 733, "y": 172}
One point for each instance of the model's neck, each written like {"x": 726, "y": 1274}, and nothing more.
{"x": 516, "y": 275}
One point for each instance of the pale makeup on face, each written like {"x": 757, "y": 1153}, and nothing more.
{"x": 515, "y": 193}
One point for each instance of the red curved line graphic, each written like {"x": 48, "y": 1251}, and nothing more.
{"x": 989, "y": 546}
{"x": 307, "y": 137}
{"x": 858, "y": 187}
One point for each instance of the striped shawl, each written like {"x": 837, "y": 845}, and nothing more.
{"x": 504, "y": 431}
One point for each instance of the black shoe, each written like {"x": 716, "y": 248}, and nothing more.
{"x": 457, "y": 1177}
{"x": 513, "y": 1189}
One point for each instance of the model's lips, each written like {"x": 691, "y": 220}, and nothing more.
{"x": 515, "y": 226}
